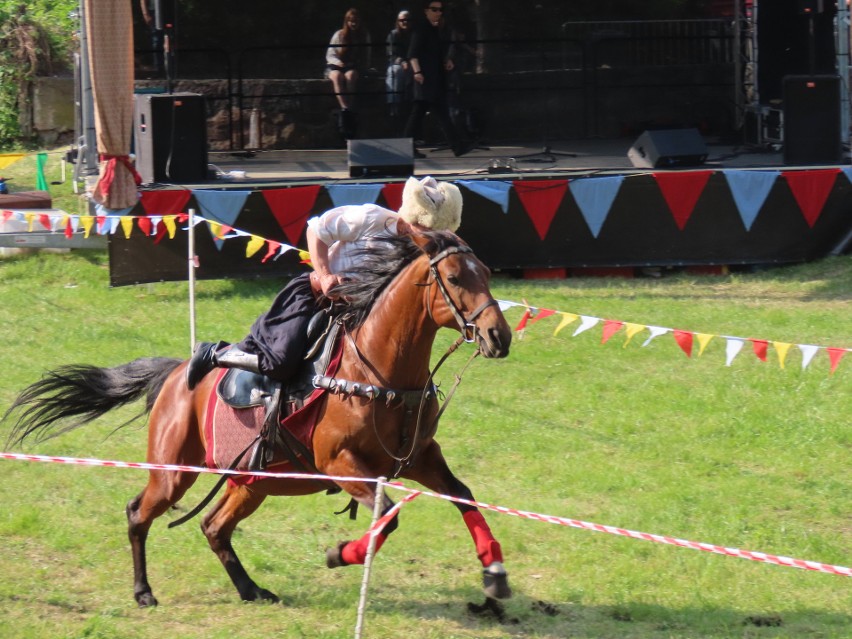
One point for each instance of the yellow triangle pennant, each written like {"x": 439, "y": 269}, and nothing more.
{"x": 29, "y": 217}
{"x": 703, "y": 340}
{"x": 781, "y": 349}
{"x": 631, "y": 329}
{"x": 171, "y": 227}
{"x": 305, "y": 257}
{"x": 567, "y": 319}
{"x": 126, "y": 225}
{"x": 88, "y": 221}
{"x": 215, "y": 229}
{"x": 7, "y": 159}
{"x": 255, "y": 244}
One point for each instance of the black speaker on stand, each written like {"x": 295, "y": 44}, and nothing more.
{"x": 170, "y": 137}
{"x": 812, "y": 119}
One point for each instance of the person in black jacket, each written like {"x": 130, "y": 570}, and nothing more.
{"x": 430, "y": 57}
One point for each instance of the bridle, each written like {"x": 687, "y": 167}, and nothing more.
{"x": 468, "y": 329}
{"x": 469, "y": 333}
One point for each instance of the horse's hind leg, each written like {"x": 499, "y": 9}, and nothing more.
{"x": 432, "y": 471}
{"x": 163, "y": 490}
{"x": 218, "y": 526}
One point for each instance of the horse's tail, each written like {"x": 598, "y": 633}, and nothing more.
{"x": 85, "y": 393}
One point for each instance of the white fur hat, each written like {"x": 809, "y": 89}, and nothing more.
{"x": 435, "y": 205}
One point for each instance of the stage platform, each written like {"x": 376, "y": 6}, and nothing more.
{"x": 572, "y": 208}
{"x": 573, "y": 158}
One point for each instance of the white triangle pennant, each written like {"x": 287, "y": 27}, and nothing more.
{"x": 155, "y": 222}
{"x": 732, "y": 348}
{"x": 656, "y": 331}
{"x": 505, "y": 306}
{"x": 586, "y": 323}
{"x": 808, "y": 352}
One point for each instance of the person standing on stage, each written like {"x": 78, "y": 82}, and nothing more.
{"x": 431, "y": 60}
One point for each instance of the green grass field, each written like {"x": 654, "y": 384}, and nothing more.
{"x": 750, "y": 456}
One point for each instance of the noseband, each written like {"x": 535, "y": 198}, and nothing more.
{"x": 467, "y": 326}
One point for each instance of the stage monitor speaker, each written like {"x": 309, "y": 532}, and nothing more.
{"x": 812, "y": 119}
{"x": 170, "y": 137}
{"x": 668, "y": 148}
{"x": 381, "y": 157}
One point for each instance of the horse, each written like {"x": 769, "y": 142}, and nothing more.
{"x": 396, "y": 304}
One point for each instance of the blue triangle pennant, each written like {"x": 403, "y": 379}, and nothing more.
{"x": 595, "y": 196}
{"x": 847, "y": 171}
{"x": 346, "y": 194}
{"x": 750, "y": 190}
{"x": 497, "y": 192}
{"x": 221, "y": 206}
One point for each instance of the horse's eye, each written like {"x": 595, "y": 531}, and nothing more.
{"x": 453, "y": 279}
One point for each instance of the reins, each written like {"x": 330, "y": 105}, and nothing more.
{"x": 469, "y": 333}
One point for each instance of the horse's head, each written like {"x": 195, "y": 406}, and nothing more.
{"x": 462, "y": 298}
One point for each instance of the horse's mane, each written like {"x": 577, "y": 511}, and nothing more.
{"x": 380, "y": 264}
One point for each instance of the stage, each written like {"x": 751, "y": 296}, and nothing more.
{"x": 573, "y": 208}
{"x": 570, "y": 158}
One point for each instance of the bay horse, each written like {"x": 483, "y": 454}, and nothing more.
{"x": 396, "y": 304}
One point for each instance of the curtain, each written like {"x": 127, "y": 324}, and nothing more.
{"x": 109, "y": 30}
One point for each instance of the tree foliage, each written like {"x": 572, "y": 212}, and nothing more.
{"x": 36, "y": 38}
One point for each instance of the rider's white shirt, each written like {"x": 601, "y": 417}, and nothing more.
{"x": 350, "y": 229}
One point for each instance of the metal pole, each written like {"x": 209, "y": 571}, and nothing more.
{"x": 191, "y": 267}
{"x": 843, "y": 27}
{"x": 368, "y": 560}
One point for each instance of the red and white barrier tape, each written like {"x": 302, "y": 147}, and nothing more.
{"x": 550, "y": 519}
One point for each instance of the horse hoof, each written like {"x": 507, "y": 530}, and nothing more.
{"x": 146, "y": 600}
{"x": 334, "y": 556}
{"x": 495, "y": 581}
{"x": 262, "y": 595}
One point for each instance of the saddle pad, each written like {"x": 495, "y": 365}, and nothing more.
{"x": 228, "y": 430}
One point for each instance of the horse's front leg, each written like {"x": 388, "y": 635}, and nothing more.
{"x": 364, "y": 493}
{"x": 431, "y": 470}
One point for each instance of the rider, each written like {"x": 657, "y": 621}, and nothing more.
{"x": 277, "y": 341}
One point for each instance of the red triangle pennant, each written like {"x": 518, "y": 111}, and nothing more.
{"x": 291, "y": 208}
{"x": 684, "y": 340}
{"x": 681, "y": 192}
{"x": 273, "y": 249}
{"x": 524, "y": 319}
{"x": 541, "y": 199}
{"x": 69, "y": 230}
{"x": 44, "y": 220}
{"x": 162, "y": 233}
{"x": 835, "y": 355}
{"x": 392, "y": 193}
{"x": 811, "y": 190}
{"x": 545, "y": 312}
{"x": 760, "y": 347}
{"x": 144, "y": 225}
{"x": 165, "y": 202}
{"x": 610, "y": 328}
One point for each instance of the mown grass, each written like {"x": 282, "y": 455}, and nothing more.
{"x": 750, "y": 456}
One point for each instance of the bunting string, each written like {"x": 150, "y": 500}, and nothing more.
{"x": 685, "y": 339}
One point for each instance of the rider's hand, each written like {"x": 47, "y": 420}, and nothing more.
{"x": 327, "y": 282}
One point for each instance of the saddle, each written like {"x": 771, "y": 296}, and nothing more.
{"x": 244, "y": 389}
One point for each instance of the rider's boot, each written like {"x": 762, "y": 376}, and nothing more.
{"x": 208, "y": 356}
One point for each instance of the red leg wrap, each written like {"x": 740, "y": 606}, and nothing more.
{"x": 487, "y": 548}
{"x": 355, "y": 552}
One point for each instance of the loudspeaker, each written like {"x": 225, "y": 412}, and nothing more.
{"x": 381, "y": 157}
{"x": 668, "y": 148}
{"x": 784, "y": 43}
{"x": 170, "y": 137}
{"x": 812, "y": 119}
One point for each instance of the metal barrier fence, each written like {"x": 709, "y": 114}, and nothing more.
{"x": 568, "y": 74}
